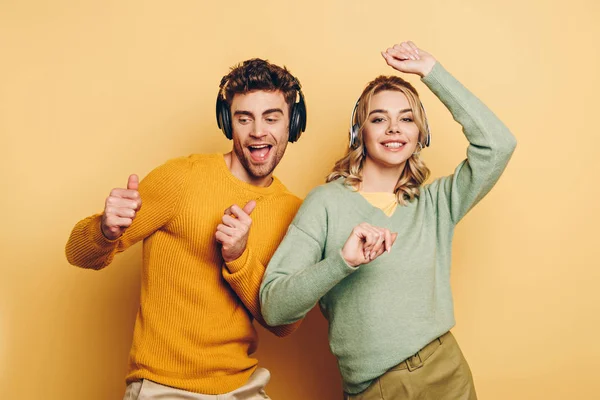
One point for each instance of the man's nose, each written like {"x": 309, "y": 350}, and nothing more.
{"x": 259, "y": 130}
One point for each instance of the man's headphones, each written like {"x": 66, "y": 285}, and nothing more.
{"x": 297, "y": 114}
{"x": 354, "y": 126}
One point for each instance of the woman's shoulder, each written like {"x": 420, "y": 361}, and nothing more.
{"x": 323, "y": 199}
{"x": 330, "y": 191}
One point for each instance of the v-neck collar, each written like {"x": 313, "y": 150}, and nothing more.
{"x": 363, "y": 206}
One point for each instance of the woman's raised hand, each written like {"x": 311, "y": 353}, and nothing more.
{"x": 408, "y": 58}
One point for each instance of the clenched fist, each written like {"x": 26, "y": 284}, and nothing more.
{"x": 120, "y": 209}
{"x": 408, "y": 58}
{"x": 233, "y": 233}
{"x": 366, "y": 243}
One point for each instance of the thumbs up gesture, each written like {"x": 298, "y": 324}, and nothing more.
{"x": 120, "y": 209}
{"x": 233, "y": 233}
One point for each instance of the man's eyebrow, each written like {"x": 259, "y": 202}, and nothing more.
{"x": 242, "y": 112}
{"x": 272, "y": 110}
{"x": 380, "y": 110}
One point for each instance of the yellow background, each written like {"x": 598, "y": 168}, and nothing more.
{"x": 92, "y": 91}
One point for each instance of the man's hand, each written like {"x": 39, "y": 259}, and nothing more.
{"x": 233, "y": 233}
{"x": 408, "y": 58}
{"x": 120, "y": 209}
{"x": 366, "y": 243}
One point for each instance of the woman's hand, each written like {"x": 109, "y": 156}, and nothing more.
{"x": 408, "y": 58}
{"x": 366, "y": 243}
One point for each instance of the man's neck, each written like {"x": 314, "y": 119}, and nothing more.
{"x": 237, "y": 169}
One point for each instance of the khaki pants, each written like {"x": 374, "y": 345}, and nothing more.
{"x": 438, "y": 372}
{"x": 254, "y": 389}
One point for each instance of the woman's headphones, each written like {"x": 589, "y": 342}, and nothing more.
{"x": 297, "y": 114}
{"x": 354, "y": 126}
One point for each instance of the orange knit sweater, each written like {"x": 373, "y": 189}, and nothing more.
{"x": 194, "y": 326}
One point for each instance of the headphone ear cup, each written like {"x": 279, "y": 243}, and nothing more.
{"x": 297, "y": 118}
{"x": 294, "y": 131}
{"x": 227, "y": 121}
{"x": 354, "y": 127}
{"x": 224, "y": 117}
{"x": 426, "y": 122}
{"x": 353, "y": 135}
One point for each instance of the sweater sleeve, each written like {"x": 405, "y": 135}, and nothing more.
{"x": 491, "y": 145}
{"x": 244, "y": 275}
{"x": 160, "y": 191}
{"x": 298, "y": 275}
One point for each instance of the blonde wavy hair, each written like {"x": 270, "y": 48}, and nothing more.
{"x": 415, "y": 171}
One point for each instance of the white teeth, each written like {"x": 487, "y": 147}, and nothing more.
{"x": 393, "y": 145}
{"x": 260, "y": 147}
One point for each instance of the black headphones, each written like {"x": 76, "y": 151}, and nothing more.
{"x": 354, "y": 126}
{"x": 297, "y": 114}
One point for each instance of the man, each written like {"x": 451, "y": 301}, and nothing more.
{"x": 202, "y": 261}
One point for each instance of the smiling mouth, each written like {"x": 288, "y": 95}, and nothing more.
{"x": 260, "y": 152}
{"x": 393, "y": 145}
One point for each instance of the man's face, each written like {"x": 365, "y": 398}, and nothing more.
{"x": 260, "y": 122}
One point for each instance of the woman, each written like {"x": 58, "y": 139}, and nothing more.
{"x": 389, "y": 314}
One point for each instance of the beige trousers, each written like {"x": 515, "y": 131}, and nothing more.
{"x": 254, "y": 389}
{"x": 437, "y": 372}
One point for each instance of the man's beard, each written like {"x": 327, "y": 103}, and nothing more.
{"x": 261, "y": 170}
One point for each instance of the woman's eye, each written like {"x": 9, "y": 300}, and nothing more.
{"x": 377, "y": 120}
{"x": 407, "y": 119}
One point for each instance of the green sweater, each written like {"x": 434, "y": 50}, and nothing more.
{"x": 383, "y": 312}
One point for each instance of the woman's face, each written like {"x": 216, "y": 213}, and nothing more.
{"x": 390, "y": 134}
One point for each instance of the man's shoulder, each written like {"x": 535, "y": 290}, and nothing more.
{"x": 286, "y": 198}
{"x": 198, "y": 159}
{"x": 192, "y": 161}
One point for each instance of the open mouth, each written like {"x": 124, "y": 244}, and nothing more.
{"x": 260, "y": 152}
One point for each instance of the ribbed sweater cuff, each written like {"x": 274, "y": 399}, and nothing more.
{"x": 96, "y": 235}
{"x": 341, "y": 269}
{"x": 433, "y": 78}
{"x": 237, "y": 264}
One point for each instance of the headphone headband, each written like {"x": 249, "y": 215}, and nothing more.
{"x": 297, "y": 112}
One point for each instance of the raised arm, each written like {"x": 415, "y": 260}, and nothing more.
{"x": 95, "y": 240}
{"x": 491, "y": 144}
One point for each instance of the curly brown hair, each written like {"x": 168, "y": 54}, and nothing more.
{"x": 258, "y": 74}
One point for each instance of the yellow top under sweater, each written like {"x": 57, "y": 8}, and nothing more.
{"x": 194, "y": 330}
{"x": 385, "y": 201}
